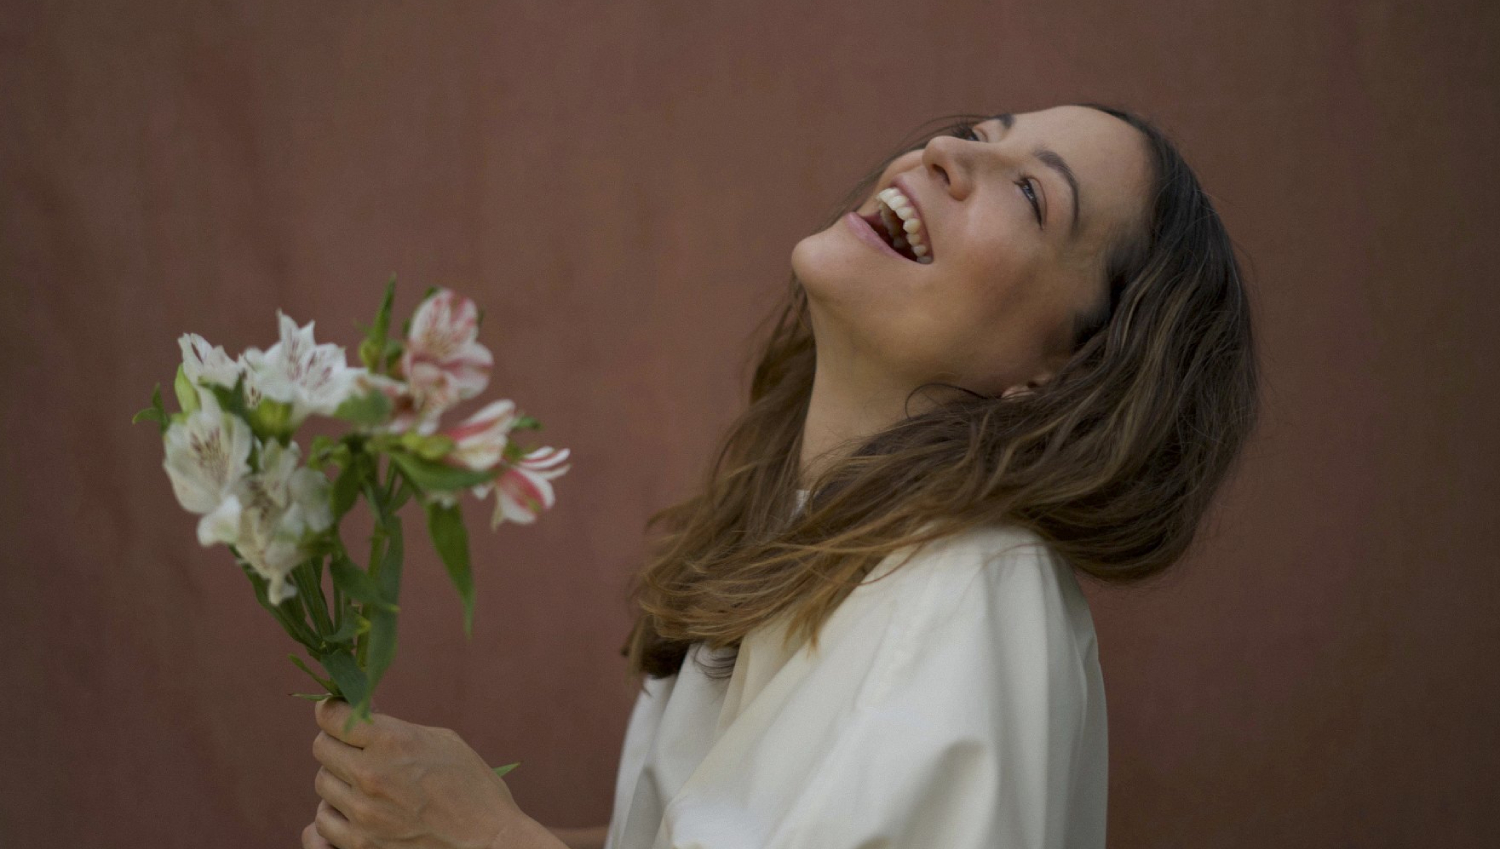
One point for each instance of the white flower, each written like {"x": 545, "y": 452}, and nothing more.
{"x": 207, "y": 454}
{"x": 312, "y": 378}
{"x": 202, "y": 362}
{"x": 280, "y": 505}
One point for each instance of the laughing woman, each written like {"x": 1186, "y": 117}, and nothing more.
{"x": 1063, "y": 279}
{"x": 1023, "y": 350}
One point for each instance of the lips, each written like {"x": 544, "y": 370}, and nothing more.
{"x": 897, "y": 222}
{"x": 867, "y": 233}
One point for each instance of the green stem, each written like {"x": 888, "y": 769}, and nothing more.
{"x": 297, "y": 616}
{"x": 338, "y": 594}
{"x": 312, "y": 588}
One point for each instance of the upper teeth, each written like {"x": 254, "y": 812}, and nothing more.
{"x": 894, "y": 207}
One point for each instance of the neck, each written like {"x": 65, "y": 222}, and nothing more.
{"x": 848, "y": 405}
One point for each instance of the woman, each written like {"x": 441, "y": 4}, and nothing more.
{"x": 1034, "y": 355}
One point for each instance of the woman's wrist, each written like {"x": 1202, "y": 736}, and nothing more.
{"x": 527, "y": 834}
{"x": 591, "y": 837}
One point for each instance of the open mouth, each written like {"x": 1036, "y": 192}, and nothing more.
{"x": 896, "y": 221}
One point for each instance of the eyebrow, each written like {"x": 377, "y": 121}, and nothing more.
{"x": 1051, "y": 159}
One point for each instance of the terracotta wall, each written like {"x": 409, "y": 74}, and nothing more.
{"x": 620, "y": 185}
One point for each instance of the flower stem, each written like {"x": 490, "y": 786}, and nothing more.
{"x": 297, "y": 616}
{"x": 309, "y": 585}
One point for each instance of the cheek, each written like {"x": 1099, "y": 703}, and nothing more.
{"x": 991, "y": 303}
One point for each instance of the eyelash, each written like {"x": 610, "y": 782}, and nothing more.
{"x": 966, "y": 131}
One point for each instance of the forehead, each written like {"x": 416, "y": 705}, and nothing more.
{"x": 1108, "y": 156}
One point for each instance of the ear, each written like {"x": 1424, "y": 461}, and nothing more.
{"x": 1029, "y": 386}
{"x": 1019, "y": 389}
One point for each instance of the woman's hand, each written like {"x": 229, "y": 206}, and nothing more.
{"x": 392, "y": 783}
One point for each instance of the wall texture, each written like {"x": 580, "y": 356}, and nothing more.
{"x": 620, "y": 185}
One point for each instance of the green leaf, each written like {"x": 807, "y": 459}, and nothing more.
{"x": 187, "y": 393}
{"x": 430, "y": 476}
{"x": 232, "y": 400}
{"x": 371, "y": 349}
{"x": 393, "y": 352}
{"x": 357, "y": 583}
{"x": 525, "y": 422}
{"x": 312, "y": 697}
{"x": 371, "y": 408}
{"x": 308, "y": 579}
{"x": 502, "y": 770}
{"x": 389, "y": 573}
{"x": 345, "y": 490}
{"x": 403, "y": 495}
{"x": 353, "y": 625}
{"x": 433, "y": 447}
{"x": 451, "y": 539}
{"x": 154, "y": 413}
{"x": 322, "y": 682}
{"x": 352, "y": 685}
{"x": 297, "y": 630}
{"x": 325, "y": 451}
{"x": 382, "y": 636}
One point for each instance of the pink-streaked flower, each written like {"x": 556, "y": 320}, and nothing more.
{"x": 442, "y": 361}
{"x": 480, "y": 440}
{"x": 479, "y": 444}
{"x": 312, "y": 378}
{"x": 524, "y": 490}
{"x": 404, "y": 414}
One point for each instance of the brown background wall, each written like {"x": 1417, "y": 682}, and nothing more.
{"x": 620, "y": 185}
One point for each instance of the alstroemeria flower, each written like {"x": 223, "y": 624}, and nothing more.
{"x": 279, "y": 505}
{"x": 312, "y": 378}
{"x": 207, "y": 457}
{"x": 405, "y": 414}
{"x": 443, "y": 362}
{"x": 201, "y": 361}
{"x": 524, "y": 489}
{"x": 480, "y": 440}
{"x": 478, "y": 444}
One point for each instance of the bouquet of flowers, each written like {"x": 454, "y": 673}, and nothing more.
{"x": 232, "y": 459}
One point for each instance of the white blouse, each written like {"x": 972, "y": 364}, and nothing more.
{"x": 958, "y": 703}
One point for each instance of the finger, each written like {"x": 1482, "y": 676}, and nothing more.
{"x": 311, "y": 839}
{"x": 333, "y": 827}
{"x": 333, "y": 715}
{"x": 336, "y": 756}
{"x": 336, "y": 792}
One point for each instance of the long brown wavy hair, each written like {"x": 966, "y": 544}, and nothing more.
{"x": 1113, "y": 461}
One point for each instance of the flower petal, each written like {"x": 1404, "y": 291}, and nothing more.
{"x": 206, "y": 455}
{"x": 221, "y": 525}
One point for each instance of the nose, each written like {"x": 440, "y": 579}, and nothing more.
{"x": 950, "y": 159}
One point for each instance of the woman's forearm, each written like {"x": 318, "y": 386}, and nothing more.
{"x": 581, "y": 838}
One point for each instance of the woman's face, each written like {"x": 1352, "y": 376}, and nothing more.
{"x": 1017, "y": 218}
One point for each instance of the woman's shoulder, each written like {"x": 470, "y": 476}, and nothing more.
{"x": 993, "y": 580}
{"x": 995, "y": 554}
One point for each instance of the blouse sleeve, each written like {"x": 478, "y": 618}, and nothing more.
{"x": 977, "y": 724}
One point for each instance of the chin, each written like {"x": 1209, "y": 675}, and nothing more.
{"x": 822, "y": 259}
